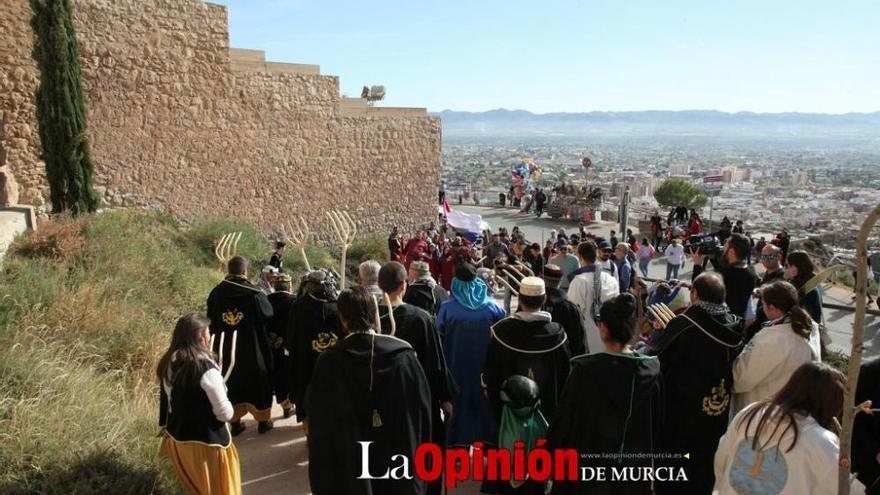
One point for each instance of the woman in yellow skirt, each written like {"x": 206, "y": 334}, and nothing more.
{"x": 194, "y": 411}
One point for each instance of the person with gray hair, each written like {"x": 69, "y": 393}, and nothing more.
{"x": 422, "y": 290}
{"x": 368, "y": 277}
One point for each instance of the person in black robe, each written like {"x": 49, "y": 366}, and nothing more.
{"x": 696, "y": 352}
{"x": 313, "y": 327}
{"x": 281, "y": 300}
{"x": 866, "y": 429}
{"x": 564, "y": 312}
{"x": 530, "y": 345}
{"x": 366, "y": 388}
{"x": 416, "y": 327}
{"x": 422, "y": 290}
{"x": 620, "y": 392}
{"x": 239, "y": 312}
{"x": 277, "y": 259}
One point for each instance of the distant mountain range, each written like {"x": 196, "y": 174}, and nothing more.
{"x": 698, "y": 125}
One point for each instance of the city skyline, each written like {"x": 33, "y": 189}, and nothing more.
{"x": 809, "y": 57}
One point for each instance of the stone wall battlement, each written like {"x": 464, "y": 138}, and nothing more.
{"x": 181, "y": 121}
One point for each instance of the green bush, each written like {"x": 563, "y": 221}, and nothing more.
{"x": 369, "y": 248}
{"x": 319, "y": 257}
{"x": 203, "y": 237}
{"x": 363, "y": 249}
{"x": 838, "y": 360}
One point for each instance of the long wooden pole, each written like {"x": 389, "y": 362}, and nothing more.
{"x": 855, "y": 356}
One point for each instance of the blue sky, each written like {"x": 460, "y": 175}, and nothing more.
{"x": 575, "y": 56}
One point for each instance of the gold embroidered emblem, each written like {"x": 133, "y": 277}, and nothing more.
{"x": 323, "y": 340}
{"x": 232, "y": 317}
{"x": 717, "y": 401}
{"x": 377, "y": 420}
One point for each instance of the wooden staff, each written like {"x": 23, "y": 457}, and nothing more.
{"x": 227, "y": 248}
{"x": 345, "y": 229}
{"x": 855, "y": 357}
{"x": 299, "y": 237}
{"x": 231, "y": 356}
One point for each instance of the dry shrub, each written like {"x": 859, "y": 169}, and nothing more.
{"x": 68, "y": 425}
{"x": 58, "y": 240}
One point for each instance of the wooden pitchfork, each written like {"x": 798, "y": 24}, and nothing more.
{"x": 345, "y": 230}
{"x": 504, "y": 282}
{"x": 661, "y": 313}
{"x": 231, "y": 353}
{"x": 298, "y": 237}
{"x": 227, "y": 248}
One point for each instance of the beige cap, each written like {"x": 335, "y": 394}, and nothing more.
{"x": 532, "y": 286}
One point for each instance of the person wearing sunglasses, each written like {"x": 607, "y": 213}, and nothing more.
{"x": 771, "y": 258}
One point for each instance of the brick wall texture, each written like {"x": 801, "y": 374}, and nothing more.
{"x": 177, "y": 123}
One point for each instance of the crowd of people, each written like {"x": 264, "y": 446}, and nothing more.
{"x": 469, "y": 341}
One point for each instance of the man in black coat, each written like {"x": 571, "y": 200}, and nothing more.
{"x": 313, "y": 327}
{"x": 564, "y": 312}
{"x": 739, "y": 278}
{"x": 239, "y": 312}
{"x": 422, "y": 290}
{"x": 527, "y": 344}
{"x": 696, "y": 351}
{"x": 415, "y": 326}
{"x": 282, "y": 301}
{"x": 368, "y": 397}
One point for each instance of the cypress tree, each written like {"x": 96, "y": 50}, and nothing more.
{"x": 61, "y": 111}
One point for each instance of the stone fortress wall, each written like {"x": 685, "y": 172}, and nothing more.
{"x": 180, "y": 120}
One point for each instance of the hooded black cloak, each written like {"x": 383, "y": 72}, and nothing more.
{"x": 237, "y": 306}
{"x": 366, "y": 388}
{"x": 696, "y": 354}
{"x": 313, "y": 328}
{"x": 611, "y": 406}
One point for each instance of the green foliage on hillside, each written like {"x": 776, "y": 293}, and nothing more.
{"x": 86, "y": 308}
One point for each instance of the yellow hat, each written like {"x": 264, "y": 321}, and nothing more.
{"x": 532, "y": 286}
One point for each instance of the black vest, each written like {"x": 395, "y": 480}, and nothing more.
{"x": 189, "y": 417}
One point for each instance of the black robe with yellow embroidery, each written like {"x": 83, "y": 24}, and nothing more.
{"x": 313, "y": 327}
{"x": 237, "y": 307}
{"x": 366, "y": 388}
{"x": 696, "y": 354}
{"x": 281, "y": 305}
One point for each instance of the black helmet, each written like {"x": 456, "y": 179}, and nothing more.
{"x": 520, "y": 392}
